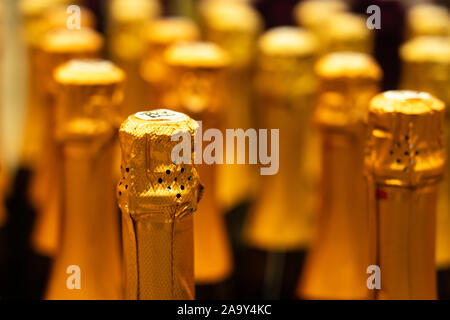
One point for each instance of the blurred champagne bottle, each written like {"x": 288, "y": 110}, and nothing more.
{"x": 40, "y": 16}
{"x": 196, "y": 85}
{"x": 281, "y": 220}
{"x": 160, "y": 34}
{"x": 57, "y": 47}
{"x": 405, "y": 162}
{"x": 127, "y": 21}
{"x": 235, "y": 26}
{"x": 3, "y": 172}
{"x": 89, "y": 93}
{"x": 158, "y": 199}
{"x": 336, "y": 266}
{"x": 426, "y": 67}
{"x": 428, "y": 19}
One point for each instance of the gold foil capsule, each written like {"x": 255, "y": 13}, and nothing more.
{"x": 346, "y": 32}
{"x": 428, "y": 19}
{"x": 127, "y": 21}
{"x": 157, "y": 198}
{"x": 160, "y": 34}
{"x": 313, "y": 14}
{"x": 58, "y": 46}
{"x": 405, "y": 162}
{"x": 347, "y": 82}
{"x": 235, "y": 26}
{"x": 281, "y": 219}
{"x": 86, "y": 120}
{"x": 197, "y": 87}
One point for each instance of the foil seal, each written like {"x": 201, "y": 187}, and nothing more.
{"x": 157, "y": 198}
{"x": 428, "y": 19}
{"x": 285, "y": 63}
{"x": 406, "y": 144}
{"x": 347, "y": 82}
{"x": 313, "y": 14}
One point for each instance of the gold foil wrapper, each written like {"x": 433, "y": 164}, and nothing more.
{"x": 157, "y": 198}
{"x": 347, "y": 82}
{"x": 428, "y": 19}
{"x": 197, "y": 87}
{"x": 127, "y": 21}
{"x": 58, "y": 46}
{"x": 405, "y": 161}
{"x": 426, "y": 67}
{"x": 235, "y": 26}
{"x": 282, "y": 217}
{"x": 89, "y": 95}
{"x": 160, "y": 34}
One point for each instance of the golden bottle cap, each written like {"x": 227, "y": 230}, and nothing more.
{"x": 131, "y": 10}
{"x": 90, "y": 92}
{"x": 347, "y": 82}
{"x": 152, "y": 182}
{"x": 432, "y": 49}
{"x": 235, "y": 26}
{"x": 166, "y": 31}
{"x": 196, "y": 82}
{"x": 312, "y": 14}
{"x": 346, "y": 32}
{"x": 428, "y": 19}
{"x": 406, "y": 146}
{"x": 72, "y": 41}
{"x": 285, "y": 64}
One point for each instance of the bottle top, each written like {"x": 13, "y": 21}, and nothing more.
{"x": 152, "y": 181}
{"x": 312, "y": 14}
{"x": 89, "y": 93}
{"x": 347, "y": 82}
{"x": 132, "y": 10}
{"x": 287, "y": 41}
{"x": 72, "y": 41}
{"x": 165, "y": 31}
{"x": 196, "y": 54}
{"x": 433, "y": 49}
{"x": 406, "y": 146}
{"x": 428, "y": 19}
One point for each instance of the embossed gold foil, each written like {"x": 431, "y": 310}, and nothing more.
{"x": 347, "y": 82}
{"x": 405, "y": 162}
{"x": 89, "y": 95}
{"x": 58, "y": 46}
{"x": 282, "y": 218}
{"x": 235, "y": 26}
{"x": 157, "y": 198}
{"x": 197, "y": 87}
{"x": 160, "y": 34}
{"x": 426, "y": 67}
{"x": 127, "y": 21}
{"x": 428, "y": 19}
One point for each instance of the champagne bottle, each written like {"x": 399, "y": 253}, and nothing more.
{"x": 58, "y": 46}
{"x": 158, "y": 198}
{"x": 281, "y": 222}
{"x": 196, "y": 85}
{"x": 336, "y": 265}
{"x": 86, "y": 122}
{"x": 405, "y": 162}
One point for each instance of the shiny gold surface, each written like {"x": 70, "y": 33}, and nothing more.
{"x": 160, "y": 34}
{"x": 426, "y": 67}
{"x": 282, "y": 218}
{"x": 89, "y": 94}
{"x": 58, "y": 46}
{"x": 347, "y": 82}
{"x": 197, "y": 86}
{"x": 127, "y": 21}
{"x": 405, "y": 163}
{"x": 157, "y": 226}
{"x": 235, "y": 26}
{"x": 428, "y": 19}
